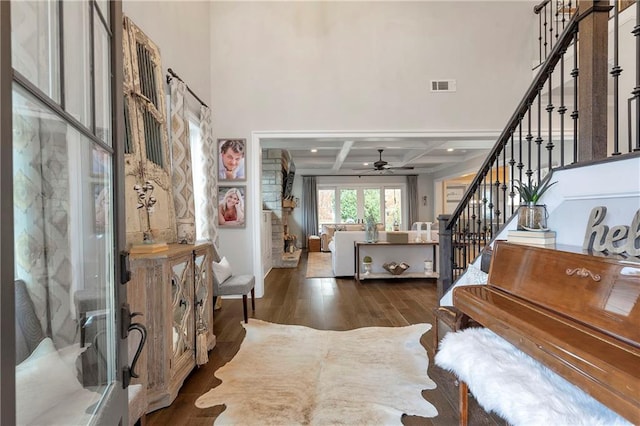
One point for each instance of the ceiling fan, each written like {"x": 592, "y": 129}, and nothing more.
{"x": 381, "y": 165}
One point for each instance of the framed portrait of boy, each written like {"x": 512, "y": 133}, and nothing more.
{"x": 231, "y": 207}
{"x": 231, "y": 159}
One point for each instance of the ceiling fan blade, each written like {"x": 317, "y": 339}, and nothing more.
{"x": 400, "y": 168}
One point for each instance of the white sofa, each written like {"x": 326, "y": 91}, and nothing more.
{"x": 328, "y": 229}
{"x": 342, "y": 249}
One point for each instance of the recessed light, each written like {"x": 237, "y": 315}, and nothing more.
{"x": 314, "y": 150}
{"x": 450, "y": 150}
{"x": 365, "y": 164}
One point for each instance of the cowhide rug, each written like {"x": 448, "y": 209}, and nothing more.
{"x": 289, "y": 374}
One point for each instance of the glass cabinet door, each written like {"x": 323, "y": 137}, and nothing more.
{"x": 182, "y": 304}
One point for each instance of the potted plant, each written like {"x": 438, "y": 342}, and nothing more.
{"x": 531, "y": 215}
{"x": 366, "y": 265}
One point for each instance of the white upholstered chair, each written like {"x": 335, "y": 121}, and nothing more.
{"x": 227, "y": 284}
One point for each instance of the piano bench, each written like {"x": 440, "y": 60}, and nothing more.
{"x": 513, "y": 385}
{"x": 452, "y": 318}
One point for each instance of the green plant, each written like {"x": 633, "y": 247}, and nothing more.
{"x": 367, "y": 259}
{"x": 530, "y": 193}
{"x": 370, "y": 220}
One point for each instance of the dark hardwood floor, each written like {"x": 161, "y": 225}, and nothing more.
{"x": 328, "y": 304}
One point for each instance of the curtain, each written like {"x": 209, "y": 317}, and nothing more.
{"x": 181, "y": 169}
{"x": 309, "y": 207}
{"x": 412, "y": 199}
{"x": 208, "y": 219}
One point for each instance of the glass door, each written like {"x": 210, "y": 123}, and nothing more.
{"x": 68, "y": 348}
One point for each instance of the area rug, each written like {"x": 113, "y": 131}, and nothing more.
{"x": 319, "y": 265}
{"x": 290, "y": 374}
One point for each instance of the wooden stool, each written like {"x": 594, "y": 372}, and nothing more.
{"x": 314, "y": 243}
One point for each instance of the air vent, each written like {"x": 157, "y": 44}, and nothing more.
{"x": 443, "y": 85}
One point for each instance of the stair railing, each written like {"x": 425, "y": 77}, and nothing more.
{"x": 538, "y": 137}
{"x": 552, "y": 20}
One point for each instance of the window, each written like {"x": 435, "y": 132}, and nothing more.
{"x": 392, "y": 208}
{"x": 348, "y": 205}
{"x": 326, "y": 206}
{"x": 372, "y": 203}
{"x": 355, "y": 203}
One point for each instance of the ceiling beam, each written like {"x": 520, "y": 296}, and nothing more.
{"x": 342, "y": 155}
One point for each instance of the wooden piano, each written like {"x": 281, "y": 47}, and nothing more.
{"x": 576, "y": 313}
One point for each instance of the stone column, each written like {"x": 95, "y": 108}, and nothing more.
{"x": 272, "y": 200}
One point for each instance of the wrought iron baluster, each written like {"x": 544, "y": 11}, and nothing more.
{"x": 636, "y": 90}
{"x": 520, "y": 141}
{"x": 562, "y": 109}
{"x": 540, "y": 38}
{"x": 472, "y": 222}
{"x": 512, "y": 171}
{"x": 467, "y": 232}
{"x": 484, "y": 209}
{"x": 490, "y": 204}
{"x": 545, "y": 33}
{"x": 550, "y": 108}
{"x": 539, "y": 133}
{"x": 504, "y": 186}
{"x": 550, "y": 28}
{"x": 495, "y": 224}
{"x": 529, "y": 138}
{"x": 615, "y": 72}
{"x": 574, "y": 114}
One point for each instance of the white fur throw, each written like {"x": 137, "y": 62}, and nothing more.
{"x": 518, "y": 388}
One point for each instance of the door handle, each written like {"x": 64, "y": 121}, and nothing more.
{"x": 129, "y": 372}
{"x": 143, "y": 339}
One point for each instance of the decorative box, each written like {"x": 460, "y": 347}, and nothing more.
{"x": 397, "y": 237}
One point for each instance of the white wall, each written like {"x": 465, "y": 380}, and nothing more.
{"x": 426, "y": 212}
{"x": 181, "y": 31}
{"x": 341, "y": 66}
{"x": 367, "y": 65}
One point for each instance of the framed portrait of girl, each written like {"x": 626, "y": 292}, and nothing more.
{"x": 231, "y": 208}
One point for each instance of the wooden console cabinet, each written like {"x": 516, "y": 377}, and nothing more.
{"x": 172, "y": 290}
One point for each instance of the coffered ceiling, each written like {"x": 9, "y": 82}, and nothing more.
{"x": 347, "y": 154}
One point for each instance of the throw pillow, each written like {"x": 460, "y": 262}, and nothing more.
{"x": 222, "y": 270}
{"x": 43, "y": 381}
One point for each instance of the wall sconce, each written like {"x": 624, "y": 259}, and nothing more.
{"x": 424, "y": 200}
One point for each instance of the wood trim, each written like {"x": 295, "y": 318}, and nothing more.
{"x": 7, "y": 299}
{"x": 463, "y": 401}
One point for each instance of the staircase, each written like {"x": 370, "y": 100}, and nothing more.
{"x": 570, "y": 116}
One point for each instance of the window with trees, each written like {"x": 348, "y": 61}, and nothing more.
{"x": 355, "y": 203}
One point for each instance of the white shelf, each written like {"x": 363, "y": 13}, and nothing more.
{"x": 383, "y": 252}
{"x": 387, "y": 275}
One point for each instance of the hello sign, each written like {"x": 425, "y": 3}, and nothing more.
{"x": 619, "y": 239}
